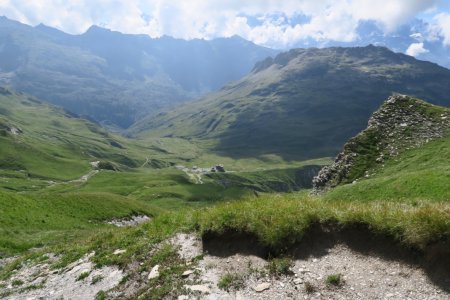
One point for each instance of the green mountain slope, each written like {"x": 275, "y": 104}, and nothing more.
{"x": 416, "y": 174}
{"x": 42, "y": 141}
{"x": 402, "y": 154}
{"x": 52, "y": 189}
{"x": 303, "y": 104}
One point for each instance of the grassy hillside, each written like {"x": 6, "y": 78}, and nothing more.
{"x": 51, "y": 193}
{"x": 416, "y": 174}
{"x": 276, "y": 222}
{"x": 303, "y": 104}
{"x": 45, "y": 142}
{"x": 402, "y": 123}
{"x": 404, "y": 202}
{"x": 36, "y": 220}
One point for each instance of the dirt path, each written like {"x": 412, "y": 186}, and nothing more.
{"x": 147, "y": 160}
{"x": 82, "y": 179}
{"x": 194, "y": 176}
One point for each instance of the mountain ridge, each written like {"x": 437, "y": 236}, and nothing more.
{"x": 303, "y": 103}
{"x": 117, "y": 78}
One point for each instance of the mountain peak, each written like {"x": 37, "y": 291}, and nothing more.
{"x": 95, "y": 29}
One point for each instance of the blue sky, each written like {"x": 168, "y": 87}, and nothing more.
{"x": 273, "y": 23}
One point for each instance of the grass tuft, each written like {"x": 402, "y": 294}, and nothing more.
{"x": 280, "y": 266}
{"x": 231, "y": 281}
{"x": 334, "y": 280}
{"x": 83, "y": 276}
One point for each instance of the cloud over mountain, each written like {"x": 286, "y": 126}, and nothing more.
{"x": 273, "y": 23}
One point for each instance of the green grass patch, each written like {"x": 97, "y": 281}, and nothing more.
{"x": 83, "y": 276}
{"x": 417, "y": 174}
{"x": 280, "y": 266}
{"x": 38, "y": 220}
{"x": 231, "y": 281}
{"x": 279, "y": 221}
{"x": 334, "y": 280}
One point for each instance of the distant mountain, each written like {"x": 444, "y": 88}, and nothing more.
{"x": 117, "y": 78}
{"x": 417, "y": 32}
{"x": 303, "y": 104}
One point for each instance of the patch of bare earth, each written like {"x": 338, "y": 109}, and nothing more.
{"x": 79, "y": 280}
{"x": 362, "y": 274}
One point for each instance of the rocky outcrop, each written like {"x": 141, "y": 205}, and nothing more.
{"x": 401, "y": 123}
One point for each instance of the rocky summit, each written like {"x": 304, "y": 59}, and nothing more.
{"x": 401, "y": 123}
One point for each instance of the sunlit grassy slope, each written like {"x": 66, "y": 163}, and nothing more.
{"x": 395, "y": 204}
{"x": 36, "y": 220}
{"x": 45, "y": 151}
{"x": 417, "y": 174}
{"x": 46, "y": 142}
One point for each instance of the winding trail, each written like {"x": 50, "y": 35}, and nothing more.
{"x": 146, "y": 162}
{"x": 82, "y": 179}
{"x": 195, "y": 177}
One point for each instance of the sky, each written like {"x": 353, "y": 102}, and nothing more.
{"x": 273, "y": 23}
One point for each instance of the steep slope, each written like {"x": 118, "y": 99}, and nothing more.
{"x": 117, "y": 78}
{"x": 305, "y": 103}
{"x": 41, "y": 141}
{"x": 402, "y": 123}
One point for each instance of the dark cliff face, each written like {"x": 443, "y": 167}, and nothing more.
{"x": 400, "y": 124}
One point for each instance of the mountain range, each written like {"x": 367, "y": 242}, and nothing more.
{"x": 302, "y": 104}
{"x": 116, "y": 78}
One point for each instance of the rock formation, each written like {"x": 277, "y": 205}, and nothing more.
{"x": 401, "y": 123}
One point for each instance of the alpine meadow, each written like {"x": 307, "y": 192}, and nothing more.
{"x": 254, "y": 150}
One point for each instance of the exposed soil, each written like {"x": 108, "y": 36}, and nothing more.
{"x": 370, "y": 267}
{"x": 129, "y": 221}
{"x": 39, "y": 281}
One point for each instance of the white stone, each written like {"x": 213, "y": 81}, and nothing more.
{"x": 262, "y": 287}
{"x": 154, "y": 273}
{"x": 199, "y": 288}
{"x": 187, "y": 273}
{"x": 119, "y": 251}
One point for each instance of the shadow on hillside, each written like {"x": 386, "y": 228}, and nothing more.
{"x": 319, "y": 239}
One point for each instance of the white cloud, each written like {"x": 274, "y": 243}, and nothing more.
{"x": 327, "y": 19}
{"x": 417, "y": 36}
{"x": 415, "y": 49}
{"x": 443, "y": 27}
